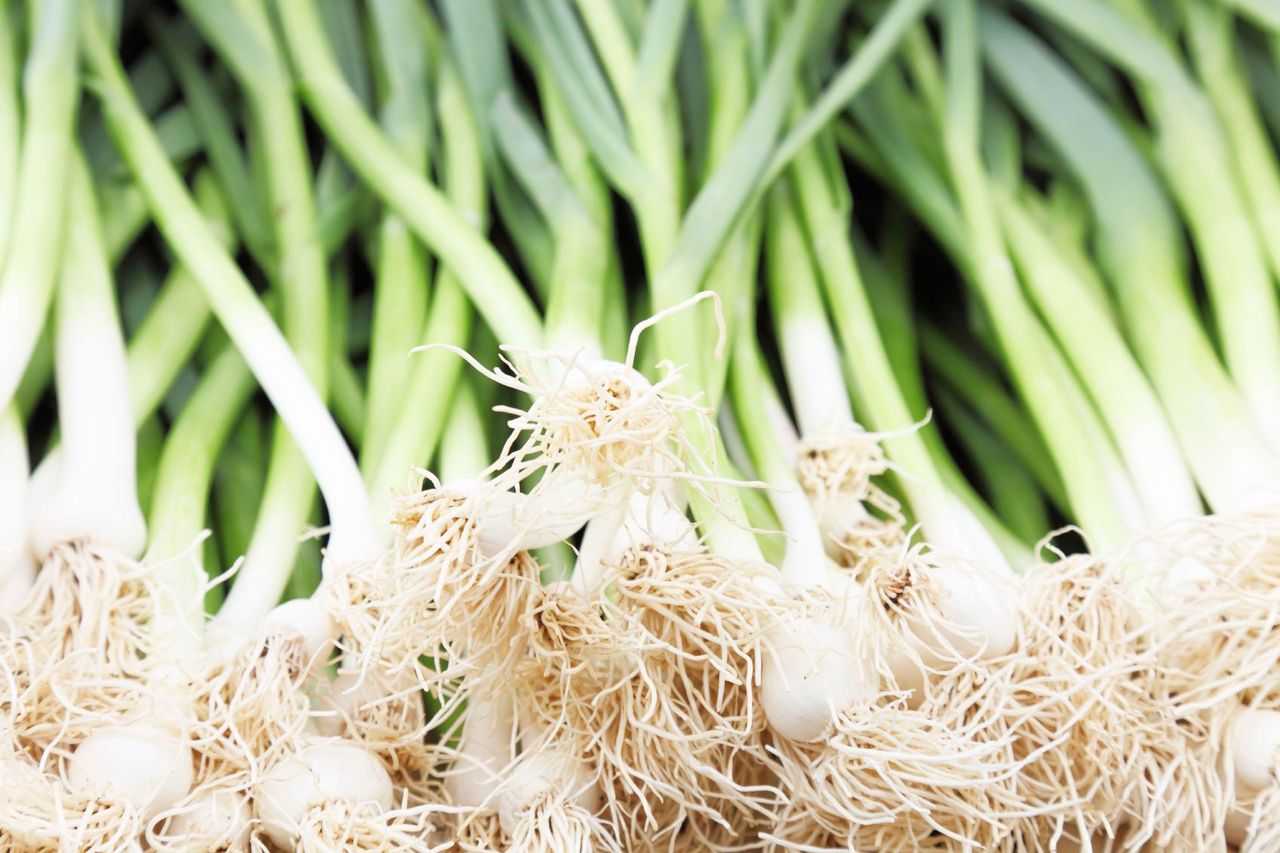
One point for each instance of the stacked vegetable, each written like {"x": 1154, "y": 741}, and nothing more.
{"x": 664, "y": 502}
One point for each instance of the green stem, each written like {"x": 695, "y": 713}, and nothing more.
{"x": 491, "y": 285}
{"x": 208, "y": 111}
{"x": 1027, "y": 350}
{"x": 10, "y": 126}
{"x": 180, "y": 497}
{"x": 1211, "y": 35}
{"x": 401, "y": 294}
{"x": 964, "y": 378}
{"x": 424, "y": 405}
{"x": 1088, "y": 335}
{"x": 235, "y": 303}
{"x": 1195, "y": 161}
{"x": 1010, "y": 487}
{"x": 49, "y": 89}
{"x": 1138, "y": 247}
{"x": 176, "y": 321}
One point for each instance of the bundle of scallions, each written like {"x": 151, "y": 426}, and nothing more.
{"x": 489, "y": 425}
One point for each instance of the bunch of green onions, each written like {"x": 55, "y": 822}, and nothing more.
{"x": 614, "y": 484}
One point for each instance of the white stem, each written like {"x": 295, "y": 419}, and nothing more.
{"x": 96, "y": 497}
{"x": 805, "y": 564}
{"x": 812, "y": 366}
{"x": 487, "y": 748}
{"x": 17, "y": 568}
{"x": 232, "y": 298}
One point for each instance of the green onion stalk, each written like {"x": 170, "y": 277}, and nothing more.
{"x": 34, "y": 215}
{"x": 244, "y": 39}
{"x": 1203, "y": 590}
{"x": 1194, "y": 156}
{"x": 92, "y": 597}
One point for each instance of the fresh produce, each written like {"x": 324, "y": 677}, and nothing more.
{"x": 668, "y": 498}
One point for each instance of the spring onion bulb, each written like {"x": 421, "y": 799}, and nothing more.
{"x": 1255, "y": 758}
{"x": 548, "y": 797}
{"x": 216, "y": 818}
{"x": 146, "y": 766}
{"x": 322, "y": 775}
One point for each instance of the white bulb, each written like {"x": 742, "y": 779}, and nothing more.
{"x": 1255, "y": 739}
{"x": 324, "y": 772}
{"x": 982, "y": 609}
{"x": 215, "y": 820}
{"x": 485, "y": 750}
{"x": 147, "y": 767}
{"x": 651, "y": 520}
{"x": 540, "y": 772}
{"x": 813, "y": 672}
{"x": 304, "y": 618}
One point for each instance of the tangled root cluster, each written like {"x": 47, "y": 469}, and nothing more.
{"x": 601, "y": 419}
{"x": 443, "y": 600}
{"x": 252, "y": 709}
{"x": 835, "y": 469}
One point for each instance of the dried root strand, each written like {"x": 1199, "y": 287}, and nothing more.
{"x": 1263, "y": 830}
{"x": 555, "y": 824}
{"x": 341, "y": 826}
{"x": 1082, "y": 701}
{"x": 568, "y": 634}
{"x": 888, "y": 772}
{"x": 835, "y": 469}
{"x": 252, "y": 708}
{"x": 600, "y": 419}
{"x": 89, "y": 600}
{"x": 704, "y": 612}
{"x": 442, "y": 600}
{"x": 1221, "y": 637}
{"x": 50, "y": 702}
{"x": 840, "y": 461}
{"x": 40, "y": 814}
{"x": 658, "y": 754}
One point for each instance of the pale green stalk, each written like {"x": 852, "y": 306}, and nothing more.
{"x": 179, "y": 502}
{"x": 1211, "y": 35}
{"x": 401, "y": 292}
{"x": 1139, "y": 245}
{"x": 10, "y": 125}
{"x": 1195, "y": 159}
{"x": 234, "y": 302}
{"x": 574, "y": 158}
{"x": 241, "y": 34}
{"x": 424, "y": 405}
{"x": 575, "y": 307}
{"x": 49, "y": 89}
{"x": 641, "y": 76}
{"x": 1010, "y": 488}
{"x": 1027, "y": 350}
{"x": 175, "y": 323}
{"x": 482, "y": 272}
{"x": 210, "y": 116}
{"x": 1086, "y": 330}
{"x": 944, "y": 517}
{"x": 978, "y": 387}
{"x": 464, "y": 452}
